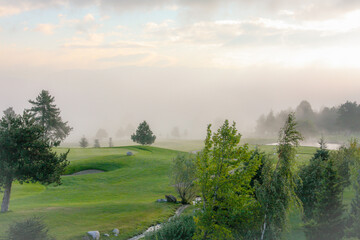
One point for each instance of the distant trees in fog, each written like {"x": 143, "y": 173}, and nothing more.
{"x": 84, "y": 142}
{"x": 101, "y": 134}
{"x": 343, "y": 118}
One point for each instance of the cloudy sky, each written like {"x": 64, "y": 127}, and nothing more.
{"x": 179, "y": 63}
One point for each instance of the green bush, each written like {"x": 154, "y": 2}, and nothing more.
{"x": 29, "y": 229}
{"x": 177, "y": 228}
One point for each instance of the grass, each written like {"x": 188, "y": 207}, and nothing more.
{"x": 122, "y": 197}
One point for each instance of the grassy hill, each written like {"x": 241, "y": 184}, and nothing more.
{"x": 122, "y": 197}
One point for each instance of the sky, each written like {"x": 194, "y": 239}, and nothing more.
{"x": 184, "y": 63}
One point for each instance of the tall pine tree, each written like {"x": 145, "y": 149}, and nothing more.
{"x": 47, "y": 115}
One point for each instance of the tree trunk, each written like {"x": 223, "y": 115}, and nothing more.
{"x": 6, "y": 198}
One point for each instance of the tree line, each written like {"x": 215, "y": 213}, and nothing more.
{"x": 248, "y": 194}
{"x": 344, "y": 118}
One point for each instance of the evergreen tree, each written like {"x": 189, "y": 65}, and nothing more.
{"x": 143, "y": 134}
{"x": 327, "y": 222}
{"x": 96, "y": 143}
{"x": 47, "y": 115}
{"x": 311, "y": 176}
{"x": 26, "y": 155}
{"x": 353, "y": 222}
{"x": 84, "y": 142}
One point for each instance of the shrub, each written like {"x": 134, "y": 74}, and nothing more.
{"x": 30, "y": 229}
{"x": 177, "y": 228}
{"x": 183, "y": 175}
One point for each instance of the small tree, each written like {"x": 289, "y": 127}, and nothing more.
{"x": 224, "y": 172}
{"x": 26, "y": 155}
{"x": 101, "y": 134}
{"x": 277, "y": 193}
{"x": 84, "y": 142}
{"x": 183, "y": 175}
{"x": 47, "y": 115}
{"x": 353, "y": 222}
{"x": 96, "y": 143}
{"x": 143, "y": 134}
{"x": 311, "y": 177}
{"x": 327, "y": 222}
{"x": 30, "y": 229}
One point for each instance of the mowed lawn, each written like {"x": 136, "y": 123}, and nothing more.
{"x": 122, "y": 197}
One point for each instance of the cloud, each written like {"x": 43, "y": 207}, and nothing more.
{"x": 125, "y": 59}
{"x": 45, "y": 28}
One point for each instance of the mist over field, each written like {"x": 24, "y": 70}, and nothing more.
{"x": 187, "y": 98}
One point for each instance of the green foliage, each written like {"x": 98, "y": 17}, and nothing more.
{"x": 224, "y": 171}
{"x": 26, "y": 155}
{"x": 30, "y": 229}
{"x": 143, "y": 134}
{"x": 84, "y": 142}
{"x": 177, "y": 228}
{"x": 277, "y": 193}
{"x": 47, "y": 115}
{"x": 183, "y": 175}
{"x": 327, "y": 222}
{"x": 310, "y": 180}
{"x": 96, "y": 143}
{"x": 353, "y": 221}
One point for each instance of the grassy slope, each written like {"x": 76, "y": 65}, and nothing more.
{"x": 122, "y": 197}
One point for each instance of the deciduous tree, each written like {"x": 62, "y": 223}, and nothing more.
{"x": 224, "y": 171}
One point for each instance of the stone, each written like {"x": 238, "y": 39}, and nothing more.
{"x": 129, "y": 154}
{"x": 161, "y": 200}
{"x": 94, "y": 234}
{"x": 115, "y": 232}
{"x": 106, "y": 235}
{"x": 170, "y": 198}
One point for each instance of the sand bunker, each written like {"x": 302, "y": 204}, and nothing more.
{"x": 89, "y": 171}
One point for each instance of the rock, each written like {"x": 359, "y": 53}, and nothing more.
{"x": 115, "y": 232}
{"x": 94, "y": 234}
{"x": 129, "y": 154}
{"x": 161, "y": 200}
{"x": 170, "y": 198}
{"x": 106, "y": 235}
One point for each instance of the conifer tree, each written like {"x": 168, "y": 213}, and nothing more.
{"x": 353, "y": 222}
{"x": 327, "y": 222}
{"x": 311, "y": 176}
{"x": 48, "y": 116}
{"x": 143, "y": 134}
{"x": 84, "y": 142}
{"x": 96, "y": 143}
{"x": 26, "y": 154}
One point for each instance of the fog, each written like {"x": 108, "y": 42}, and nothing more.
{"x": 187, "y": 98}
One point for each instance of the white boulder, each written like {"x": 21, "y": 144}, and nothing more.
{"x": 115, "y": 231}
{"x": 94, "y": 234}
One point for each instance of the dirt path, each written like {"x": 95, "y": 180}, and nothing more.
{"x": 179, "y": 211}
